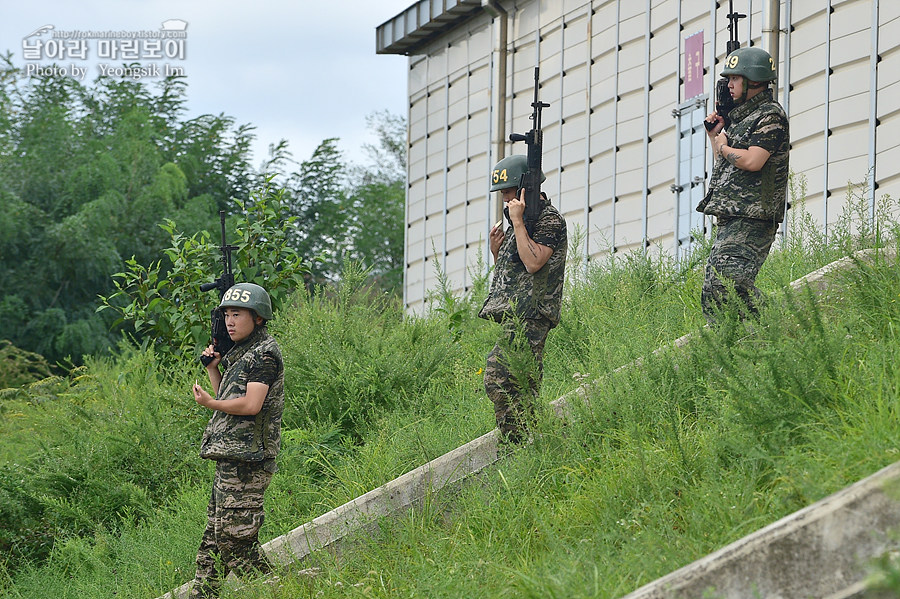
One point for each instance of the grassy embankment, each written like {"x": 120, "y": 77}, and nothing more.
{"x": 101, "y": 491}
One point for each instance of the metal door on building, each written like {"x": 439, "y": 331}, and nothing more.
{"x": 690, "y": 181}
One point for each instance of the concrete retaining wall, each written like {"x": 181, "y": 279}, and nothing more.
{"x": 822, "y": 551}
{"x": 401, "y": 493}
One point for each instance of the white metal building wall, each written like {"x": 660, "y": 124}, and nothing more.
{"x": 449, "y": 141}
{"x": 611, "y": 71}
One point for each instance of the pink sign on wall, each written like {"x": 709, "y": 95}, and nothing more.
{"x": 693, "y": 65}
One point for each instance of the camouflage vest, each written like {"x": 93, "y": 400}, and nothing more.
{"x": 761, "y": 194}
{"x": 516, "y": 291}
{"x": 247, "y": 438}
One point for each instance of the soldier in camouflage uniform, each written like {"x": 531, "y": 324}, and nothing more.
{"x": 525, "y": 298}
{"x": 748, "y": 184}
{"x": 243, "y": 437}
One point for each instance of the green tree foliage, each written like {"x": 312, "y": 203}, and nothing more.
{"x": 87, "y": 173}
{"x": 19, "y": 366}
{"x": 353, "y": 213}
{"x": 162, "y": 302}
{"x": 318, "y": 200}
{"x": 378, "y": 198}
{"x": 216, "y": 157}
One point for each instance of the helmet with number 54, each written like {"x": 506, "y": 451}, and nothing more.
{"x": 248, "y": 295}
{"x": 509, "y": 171}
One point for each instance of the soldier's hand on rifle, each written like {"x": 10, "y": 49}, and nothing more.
{"x": 210, "y": 352}
{"x": 714, "y": 125}
{"x": 517, "y": 207}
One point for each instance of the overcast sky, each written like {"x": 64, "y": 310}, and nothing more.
{"x": 302, "y": 70}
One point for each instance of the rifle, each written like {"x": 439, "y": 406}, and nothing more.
{"x": 724, "y": 101}
{"x": 531, "y": 179}
{"x": 220, "y": 339}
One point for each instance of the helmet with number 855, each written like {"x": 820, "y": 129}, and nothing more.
{"x": 248, "y": 295}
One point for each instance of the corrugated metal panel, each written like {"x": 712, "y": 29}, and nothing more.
{"x": 447, "y": 146}
{"x": 456, "y": 233}
{"x": 888, "y": 111}
{"x": 526, "y": 19}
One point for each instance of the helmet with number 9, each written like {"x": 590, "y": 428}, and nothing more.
{"x": 753, "y": 63}
{"x": 509, "y": 171}
{"x": 248, "y": 295}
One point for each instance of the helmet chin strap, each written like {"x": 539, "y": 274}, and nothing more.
{"x": 747, "y": 86}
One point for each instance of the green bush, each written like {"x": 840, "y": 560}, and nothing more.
{"x": 164, "y": 304}
{"x": 19, "y": 367}
{"x": 349, "y": 357}
{"x": 113, "y": 443}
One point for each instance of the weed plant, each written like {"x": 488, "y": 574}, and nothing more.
{"x": 102, "y": 493}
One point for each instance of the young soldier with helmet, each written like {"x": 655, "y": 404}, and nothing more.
{"x": 748, "y": 183}
{"x": 243, "y": 437}
{"x": 525, "y": 298}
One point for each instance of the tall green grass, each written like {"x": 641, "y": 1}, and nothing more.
{"x": 102, "y": 493}
{"x": 668, "y": 462}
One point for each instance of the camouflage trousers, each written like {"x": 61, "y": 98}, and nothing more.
{"x": 230, "y": 542}
{"x": 737, "y": 254}
{"x": 513, "y": 374}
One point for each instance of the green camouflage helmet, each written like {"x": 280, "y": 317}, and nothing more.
{"x": 508, "y": 172}
{"x": 248, "y": 295}
{"x": 753, "y": 63}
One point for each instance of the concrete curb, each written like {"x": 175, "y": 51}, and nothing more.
{"x": 330, "y": 529}
{"x": 817, "y": 280}
{"x": 811, "y": 553}
{"x": 406, "y": 491}
{"x": 401, "y": 493}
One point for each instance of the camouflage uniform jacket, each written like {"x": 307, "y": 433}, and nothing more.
{"x": 247, "y": 438}
{"x": 514, "y": 289}
{"x": 760, "y": 121}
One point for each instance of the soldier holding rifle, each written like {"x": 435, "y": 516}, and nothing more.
{"x": 747, "y": 189}
{"x": 526, "y": 291}
{"x": 246, "y": 373}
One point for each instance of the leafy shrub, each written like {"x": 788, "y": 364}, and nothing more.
{"x": 114, "y": 443}
{"x": 19, "y": 367}
{"x": 164, "y": 304}
{"x": 349, "y": 356}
